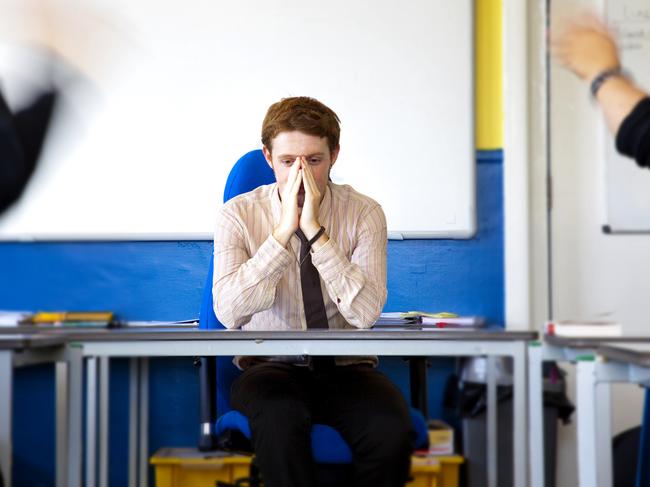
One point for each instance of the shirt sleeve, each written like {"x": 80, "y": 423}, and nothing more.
{"x": 357, "y": 285}
{"x": 633, "y": 137}
{"x": 244, "y": 284}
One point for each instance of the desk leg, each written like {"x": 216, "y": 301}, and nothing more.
{"x": 603, "y": 427}
{"x": 417, "y": 383}
{"x": 6, "y": 393}
{"x": 492, "y": 431}
{"x": 91, "y": 420}
{"x": 75, "y": 412}
{"x": 520, "y": 413}
{"x": 144, "y": 422}
{"x": 586, "y": 423}
{"x": 61, "y": 371}
{"x": 104, "y": 376}
{"x": 536, "y": 402}
{"x": 133, "y": 420}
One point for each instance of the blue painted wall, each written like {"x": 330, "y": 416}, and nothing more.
{"x": 163, "y": 281}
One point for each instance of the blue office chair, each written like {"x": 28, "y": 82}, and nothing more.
{"x": 328, "y": 446}
{"x": 248, "y": 173}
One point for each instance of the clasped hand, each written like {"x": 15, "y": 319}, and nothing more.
{"x": 293, "y": 217}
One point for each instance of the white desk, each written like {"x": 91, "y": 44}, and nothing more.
{"x": 17, "y": 350}
{"x": 140, "y": 345}
{"x": 593, "y": 402}
{"x": 630, "y": 362}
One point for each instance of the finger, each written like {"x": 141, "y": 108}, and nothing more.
{"x": 592, "y": 21}
{"x": 295, "y": 168}
{"x": 306, "y": 171}
{"x": 562, "y": 42}
{"x": 295, "y": 187}
{"x": 306, "y": 167}
{"x": 291, "y": 178}
{"x": 574, "y": 28}
{"x": 301, "y": 167}
{"x": 303, "y": 163}
{"x": 309, "y": 188}
{"x": 309, "y": 176}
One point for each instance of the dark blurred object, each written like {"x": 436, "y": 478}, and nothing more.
{"x": 22, "y": 135}
{"x": 625, "y": 449}
{"x": 53, "y": 50}
{"x": 467, "y": 396}
{"x": 633, "y": 137}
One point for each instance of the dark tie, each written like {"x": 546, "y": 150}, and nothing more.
{"x": 312, "y": 297}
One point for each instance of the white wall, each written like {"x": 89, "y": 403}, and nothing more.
{"x": 593, "y": 275}
{"x": 190, "y": 91}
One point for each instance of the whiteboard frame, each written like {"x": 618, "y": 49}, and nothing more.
{"x": 466, "y": 214}
{"x": 610, "y": 159}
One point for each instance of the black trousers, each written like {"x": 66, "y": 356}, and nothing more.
{"x": 282, "y": 402}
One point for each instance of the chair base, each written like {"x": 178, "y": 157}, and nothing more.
{"x": 207, "y": 442}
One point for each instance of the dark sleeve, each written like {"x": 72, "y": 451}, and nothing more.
{"x": 633, "y": 137}
{"x": 13, "y": 170}
{"x": 21, "y": 140}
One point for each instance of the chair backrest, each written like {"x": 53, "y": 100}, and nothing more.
{"x": 249, "y": 172}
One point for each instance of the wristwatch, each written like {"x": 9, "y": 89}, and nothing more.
{"x": 602, "y": 77}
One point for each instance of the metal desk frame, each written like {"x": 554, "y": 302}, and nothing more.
{"x": 97, "y": 349}
{"x": 20, "y": 350}
{"x": 593, "y": 404}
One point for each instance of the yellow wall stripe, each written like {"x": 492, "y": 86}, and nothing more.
{"x": 489, "y": 68}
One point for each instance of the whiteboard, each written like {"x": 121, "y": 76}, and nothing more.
{"x": 628, "y": 186}
{"x": 192, "y": 83}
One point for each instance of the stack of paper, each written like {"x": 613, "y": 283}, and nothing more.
{"x": 396, "y": 318}
{"x": 425, "y": 320}
{"x": 446, "y": 320}
{"x": 13, "y": 318}
{"x": 193, "y": 323}
{"x": 583, "y": 328}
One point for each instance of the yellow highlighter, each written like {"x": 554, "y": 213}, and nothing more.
{"x": 72, "y": 317}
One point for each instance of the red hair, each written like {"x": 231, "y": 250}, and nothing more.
{"x": 303, "y": 114}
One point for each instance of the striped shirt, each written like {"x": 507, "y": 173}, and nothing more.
{"x": 257, "y": 281}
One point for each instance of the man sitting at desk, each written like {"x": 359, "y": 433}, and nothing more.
{"x": 305, "y": 253}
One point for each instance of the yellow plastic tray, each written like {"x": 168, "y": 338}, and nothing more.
{"x": 179, "y": 467}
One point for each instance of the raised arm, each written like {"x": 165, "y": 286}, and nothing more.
{"x": 587, "y": 48}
